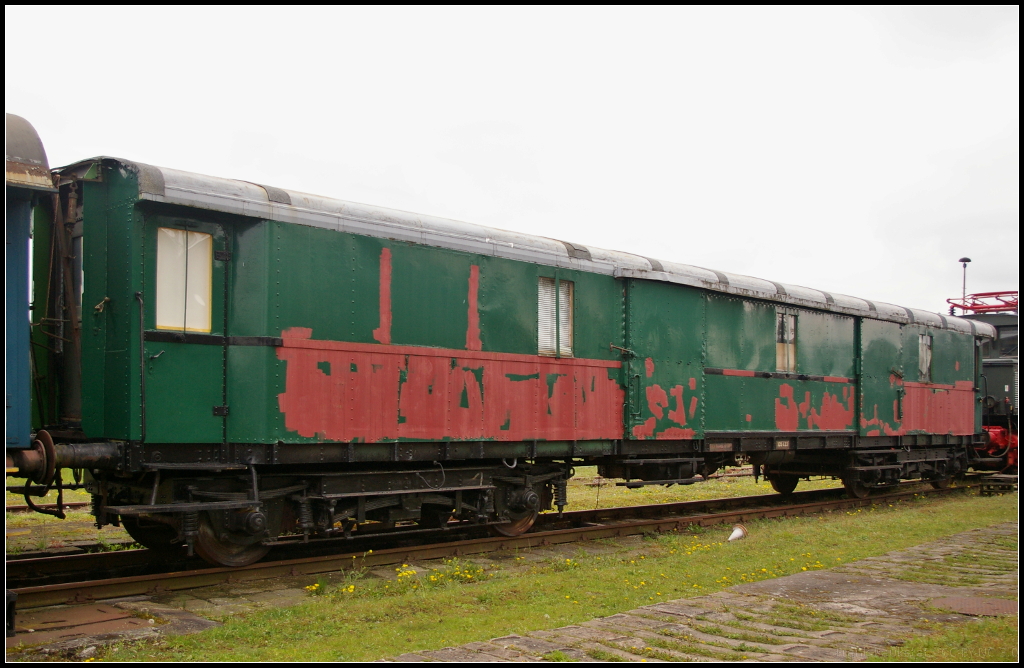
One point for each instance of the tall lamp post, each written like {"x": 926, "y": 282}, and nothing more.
{"x": 963, "y": 299}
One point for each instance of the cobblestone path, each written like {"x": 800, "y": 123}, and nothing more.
{"x": 840, "y": 614}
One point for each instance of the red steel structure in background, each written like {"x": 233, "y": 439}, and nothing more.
{"x": 986, "y": 302}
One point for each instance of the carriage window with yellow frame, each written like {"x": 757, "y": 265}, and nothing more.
{"x": 184, "y": 280}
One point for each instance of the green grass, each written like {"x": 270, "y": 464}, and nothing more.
{"x": 739, "y": 635}
{"x": 374, "y": 619}
{"x": 29, "y": 532}
{"x": 981, "y": 640}
{"x": 959, "y": 569}
{"x": 601, "y": 655}
{"x": 70, "y": 495}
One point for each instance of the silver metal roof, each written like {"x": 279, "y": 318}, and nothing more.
{"x": 26, "y": 157}
{"x": 172, "y": 186}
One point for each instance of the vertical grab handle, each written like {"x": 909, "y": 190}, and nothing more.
{"x": 634, "y": 388}
{"x": 142, "y": 367}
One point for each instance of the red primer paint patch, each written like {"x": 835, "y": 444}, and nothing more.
{"x": 787, "y": 415}
{"x": 939, "y": 409}
{"x": 297, "y": 333}
{"x": 383, "y": 333}
{"x": 657, "y": 400}
{"x": 957, "y": 365}
{"x": 749, "y": 417}
{"x": 883, "y": 426}
{"x": 473, "y": 329}
{"x": 693, "y": 383}
{"x": 645, "y": 430}
{"x": 383, "y": 393}
{"x": 805, "y": 405}
{"x": 676, "y": 432}
{"x": 649, "y": 367}
{"x": 737, "y": 372}
{"x": 930, "y": 408}
{"x": 679, "y": 414}
{"x": 837, "y": 379}
{"x": 832, "y": 414}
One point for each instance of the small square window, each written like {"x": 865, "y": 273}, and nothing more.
{"x": 550, "y": 339}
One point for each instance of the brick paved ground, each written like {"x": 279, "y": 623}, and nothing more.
{"x": 841, "y": 614}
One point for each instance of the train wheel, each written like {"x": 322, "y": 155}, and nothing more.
{"x": 153, "y": 535}
{"x": 855, "y": 488}
{"x": 783, "y": 484}
{"x": 516, "y": 527}
{"x": 229, "y": 548}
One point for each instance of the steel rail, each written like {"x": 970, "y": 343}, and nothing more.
{"x": 87, "y": 592}
{"x": 74, "y": 505}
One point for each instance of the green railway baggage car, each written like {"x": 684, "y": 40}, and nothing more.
{"x": 240, "y": 363}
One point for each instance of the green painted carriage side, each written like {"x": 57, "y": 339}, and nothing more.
{"x": 742, "y": 338}
{"x": 954, "y": 359}
{"x": 429, "y": 296}
{"x": 508, "y": 306}
{"x": 597, "y": 304}
{"x": 741, "y": 333}
{"x": 952, "y": 355}
{"x": 330, "y": 282}
{"x": 826, "y": 344}
{"x": 882, "y": 365}
{"x": 253, "y": 379}
{"x": 285, "y": 275}
{"x": 45, "y": 393}
{"x": 666, "y": 332}
{"x": 184, "y": 381}
{"x": 737, "y": 404}
{"x": 324, "y": 280}
{"x": 112, "y": 244}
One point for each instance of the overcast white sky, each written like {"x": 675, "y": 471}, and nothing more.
{"x": 860, "y": 151}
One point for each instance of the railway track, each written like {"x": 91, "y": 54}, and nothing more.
{"x": 75, "y": 505}
{"x": 90, "y": 577}
{"x": 40, "y": 568}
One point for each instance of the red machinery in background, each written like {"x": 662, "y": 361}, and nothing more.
{"x": 985, "y": 302}
{"x": 999, "y": 376}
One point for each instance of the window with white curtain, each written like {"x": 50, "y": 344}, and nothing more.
{"x": 548, "y": 338}
{"x": 184, "y": 280}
